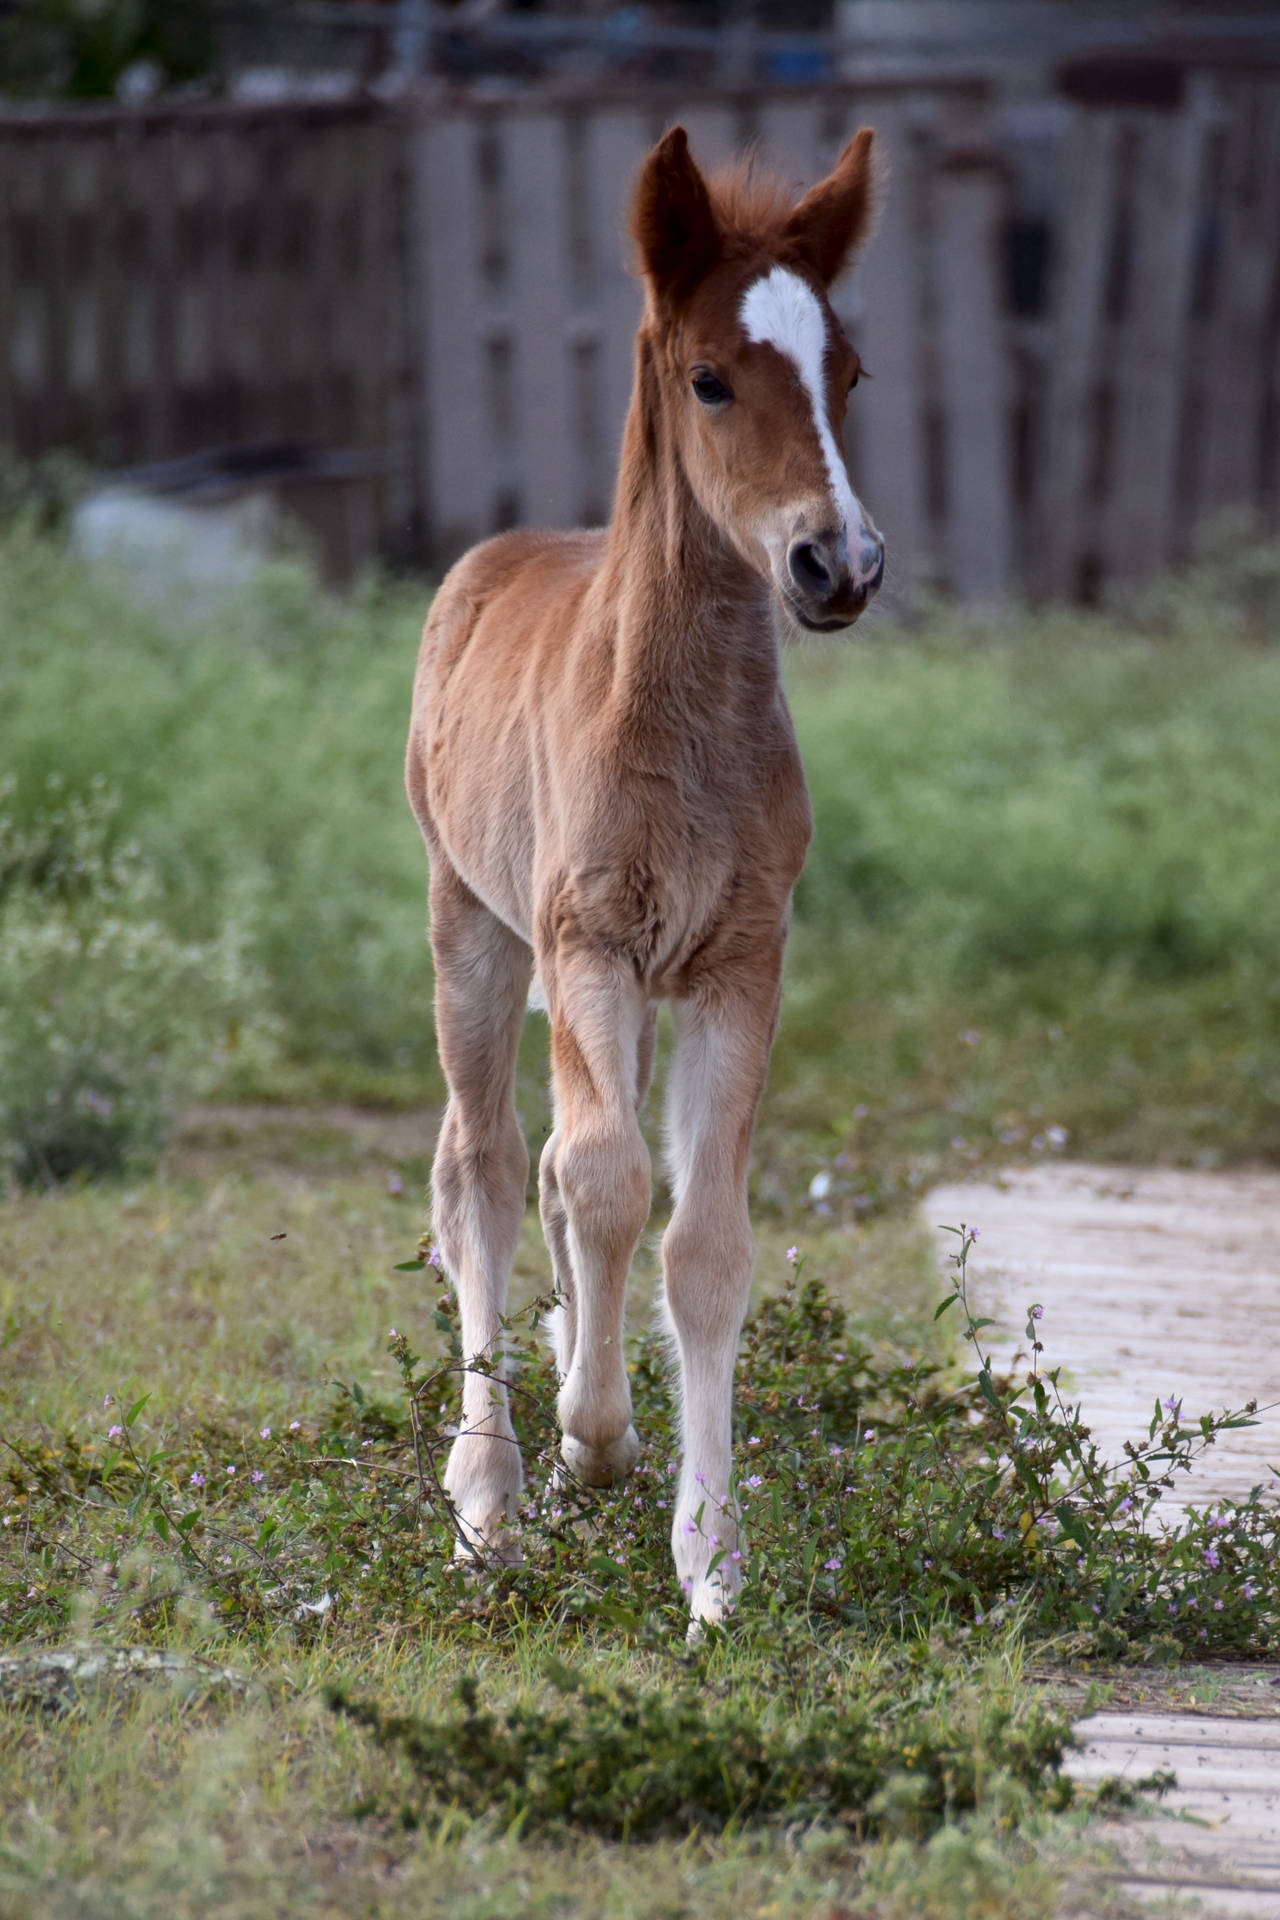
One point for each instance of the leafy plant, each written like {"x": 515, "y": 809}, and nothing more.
{"x": 106, "y": 1017}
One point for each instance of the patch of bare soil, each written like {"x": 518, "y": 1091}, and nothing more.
{"x": 300, "y": 1141}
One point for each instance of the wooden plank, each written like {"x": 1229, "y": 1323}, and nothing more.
{"x": 885, "y": 412}
{"x": 245, "y": 336}
{"x": 549, "y": 457}
{"x": 616, "y": 141}
{"x": 1075, "y": 353}
{"x": 457, "y": 432}
{"x": 7, "y": 163}
{"x": 192, "y": 312}
{"x": 127, "y": 316}
{"x": 1150, "y": 353}
{"x": 973, "y": 365}
{"x": 1234, "y": 371}
{"x": 28, "y": 340}
{"x": 55, "y": 395}
{"x": 159, "y": 152}
{"x": 80, "y": 321}
{"x": 401, "y": 503}
{"x": 371, "y": 300}
{"x": 219, "y": 285}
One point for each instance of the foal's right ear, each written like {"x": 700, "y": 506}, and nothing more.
{"x": 672, "y": 219}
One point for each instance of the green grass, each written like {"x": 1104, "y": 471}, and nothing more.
{"x": 234, "y": 1301}
{"x": 1041, "y": 898}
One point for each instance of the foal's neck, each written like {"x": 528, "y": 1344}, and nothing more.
{"x": 693, "y": 618}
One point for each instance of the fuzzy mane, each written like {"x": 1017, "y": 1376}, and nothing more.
{"x": 752, "y": 202}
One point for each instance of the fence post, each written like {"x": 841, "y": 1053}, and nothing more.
{"x": 973, "y": 364}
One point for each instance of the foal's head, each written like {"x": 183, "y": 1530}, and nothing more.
{"x": 755, "y": 369}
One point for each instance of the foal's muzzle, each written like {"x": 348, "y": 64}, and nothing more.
{"x": 826, "y": 587}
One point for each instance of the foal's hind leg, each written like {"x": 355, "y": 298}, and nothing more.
{"x": 722, "y": 1052}
{"x": 478, "y": 1189}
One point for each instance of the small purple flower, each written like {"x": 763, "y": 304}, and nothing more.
{"x": 833, "y": 1565}
{"x": 1211, "y": 1558}
{"x": 753, "y": 1480}
{"x": 107, "y": 1398}
{"x": 701, "y": 1479}
{"x": 735, "y": 1555}
{"x": 691, "y": 1526}
{"x": 1037, "y": 1313}
{"x": 257, "y": 1476}
{"x": 264, "y": 1433}
{"x": 435, "y": 1257}
{"x": 197, "y": 1479}
{"x": 395, "y": 1185}
{"x": 793, "y": 1255}
{"x": 1172, "y": 1407}
{"x": 973, "y": 1233}
{"x": 1248, "y": 1589}
{"x": 231, "y": 1473}
{"x": 294, "y": 1425}
{"x": 115, "y": 1433}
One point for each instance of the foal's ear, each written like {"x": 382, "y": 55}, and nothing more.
{"x": 672, "y": 218}
{"x": 835, "y": 218}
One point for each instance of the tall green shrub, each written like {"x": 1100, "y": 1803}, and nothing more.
{"x": 107, "y": 1018}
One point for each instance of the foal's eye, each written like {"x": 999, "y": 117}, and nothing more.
{"x": 853, "y": 383}
{"x": 709, "y": 390}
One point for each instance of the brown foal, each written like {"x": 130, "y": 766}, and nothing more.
{"x": 605, "y": 773}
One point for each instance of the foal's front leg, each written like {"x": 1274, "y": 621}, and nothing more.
{"x": 722, "y": 1052}
{"x": 596, "y": 1189}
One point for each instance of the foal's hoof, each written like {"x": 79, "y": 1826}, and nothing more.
{"x": 600, "y": 1466}
{"x": 478, "y": 1548}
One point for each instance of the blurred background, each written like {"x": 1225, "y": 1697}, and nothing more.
{"x": 297, "y": 300}
{"x": 363, "y": 259}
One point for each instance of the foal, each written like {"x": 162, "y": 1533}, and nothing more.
{"x": 605, "y": 773}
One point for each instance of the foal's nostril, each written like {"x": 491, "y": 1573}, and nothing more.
{"x": 871, "y": 565}
{"x": 810, "y": 568}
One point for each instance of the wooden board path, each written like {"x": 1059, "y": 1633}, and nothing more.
{"x": 1156, "y": 1282}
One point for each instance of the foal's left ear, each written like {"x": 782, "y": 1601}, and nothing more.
{"x": 835, "y": 219}
{"x": 672, "y": 218}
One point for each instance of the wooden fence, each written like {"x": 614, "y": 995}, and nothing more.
{"x": 447, "y": 288}
{"x": 178, "y": 279}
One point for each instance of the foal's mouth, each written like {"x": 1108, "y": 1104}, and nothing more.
{"x": 830, "y": 623}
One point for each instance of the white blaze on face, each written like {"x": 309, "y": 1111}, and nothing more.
{"x": 779, "y": 310}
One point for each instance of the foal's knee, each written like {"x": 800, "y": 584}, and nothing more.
{"x": 604, "y": 1179}
{"x": 707, "y": 1255}
{"x": 476, "y": 1178}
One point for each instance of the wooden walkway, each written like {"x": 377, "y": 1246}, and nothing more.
{"x": 1154, "y": 1283}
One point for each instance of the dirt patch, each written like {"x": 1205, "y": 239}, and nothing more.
{"x": 302, "y": 1142}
